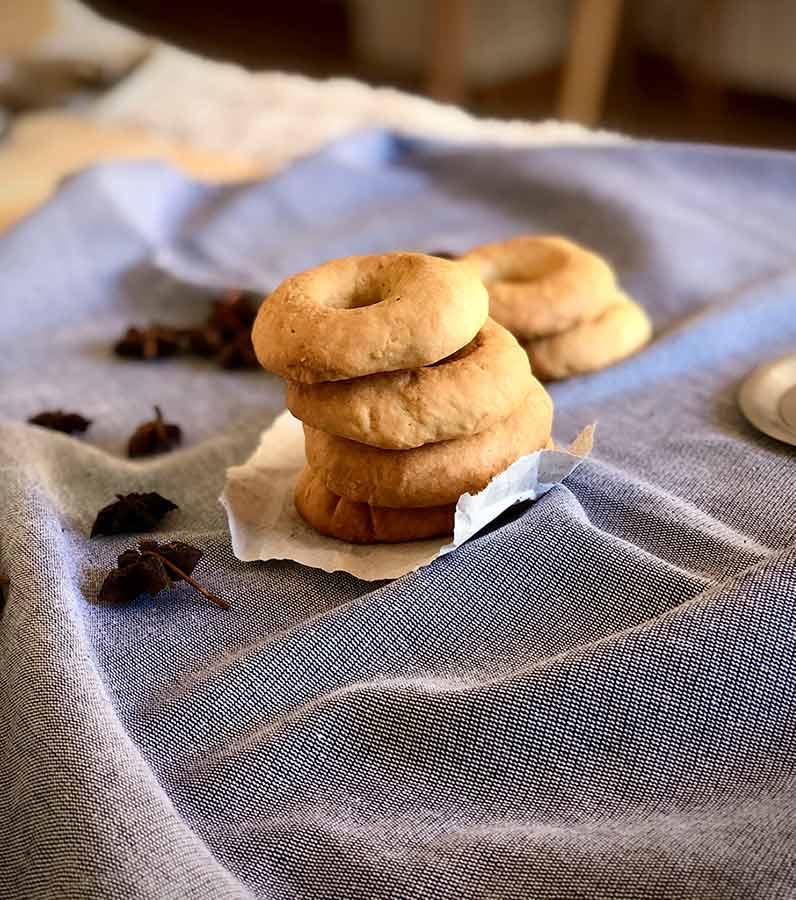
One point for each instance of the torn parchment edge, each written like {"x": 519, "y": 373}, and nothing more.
{"x": 264, "y": 526}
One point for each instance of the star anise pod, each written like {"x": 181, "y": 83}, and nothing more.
{"x": 4, "y": 584}
{"x": 234, "y": 313}
{"x": 174, "y": 553}
{"x": 224, "y": 336}
{"x": 205, "y": 341}
{"x": 151, "y": 568}
{"x": 156, "y": 436}
{"x": 155, "y": 342}
{"x": 238, "y": 353}
{"x": 131, "y": 513}
{"x": 58, "y": 420}
{"x": 135, "y": 575}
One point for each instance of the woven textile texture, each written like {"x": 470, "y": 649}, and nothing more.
{"x": 595, "y": 698}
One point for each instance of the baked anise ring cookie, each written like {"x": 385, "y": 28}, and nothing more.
{"x": 360, "y": 523}
{"x": 618, "y": 332}
{"x": 434, "y": 474}
{"x": 468, "y": 392}
{"x": 365, "y": 314}
{"x": 542, "y": 285}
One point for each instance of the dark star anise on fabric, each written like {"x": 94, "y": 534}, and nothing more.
{"x": 233, "y": 313}
{"x": 135, "y": 576}
{"x": 238, "y": 353}
{"x": 155, "y": 342}
{"x": 205, "y": 341}
{"x": 226, "y": 336}
{"x": 151, "y": 568}
{"x": 183, "y": 557}
{"x": 155, "y": 436}
{"x": 58, "y": 420}
{"x": 132, "y": 514}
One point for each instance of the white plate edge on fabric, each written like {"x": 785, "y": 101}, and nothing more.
{"x": 761, "y": 395}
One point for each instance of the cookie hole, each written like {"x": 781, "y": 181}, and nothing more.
{"x": 365, "y": 292}
{"x": 365, "y": 297}
{"x": 540, "y": 262}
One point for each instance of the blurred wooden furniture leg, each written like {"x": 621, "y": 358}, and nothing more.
{"x": 446, "y": 75}
{"x": 592, "y": 39}
{"x": 706, "y": 94}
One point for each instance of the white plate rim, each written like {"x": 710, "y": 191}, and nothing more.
{"x": 761, "y": 393}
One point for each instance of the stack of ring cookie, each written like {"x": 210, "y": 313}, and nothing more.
{"x": 562, "y": 302}
{"x": 409, "y": 393}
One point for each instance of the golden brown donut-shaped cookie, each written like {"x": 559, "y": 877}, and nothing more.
{"x": 542, "y": 285}
{"x": 359, "y": 523}
{"x": 616, "y": 333}
{"x": 434, "y": 474}
{"x": 466, "y": 393}
{"x": 364, "y": 314}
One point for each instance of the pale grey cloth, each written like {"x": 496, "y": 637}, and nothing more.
{"x": 593, "y": 699}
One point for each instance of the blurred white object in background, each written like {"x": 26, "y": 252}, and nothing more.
{"x": 739, "y": 43}
{"x": 48, "y": 47}
{"x": 505, "y": 38}
{"x": 746, "y": 44}
{"x": 274, "y": 117}
{"x": 65, "y": 31}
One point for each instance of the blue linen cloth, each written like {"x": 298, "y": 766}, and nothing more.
{"x": 594, "y": 698}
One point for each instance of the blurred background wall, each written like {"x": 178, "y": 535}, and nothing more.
{"x": 713, "y": 70}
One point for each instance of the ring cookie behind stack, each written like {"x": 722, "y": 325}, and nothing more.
{"x": 618, "y": 332}
{"x": 562, "y": 302}
{"x": 410, "y": 395}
